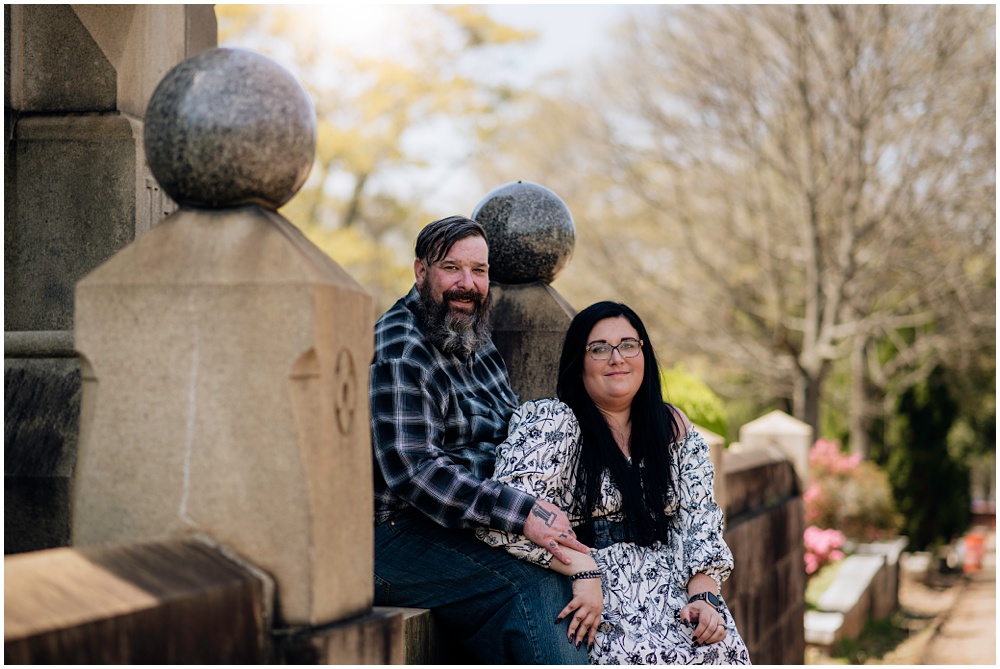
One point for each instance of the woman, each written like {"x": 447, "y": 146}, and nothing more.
{"x": 635, "y": 478}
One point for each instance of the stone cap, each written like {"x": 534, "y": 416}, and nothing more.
{"x": 229, "y": 127}
{"x": 776, "y": 422}
{"x": 530, "y": 231}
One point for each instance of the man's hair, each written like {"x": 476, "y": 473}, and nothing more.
{"x": 436, "y": 239}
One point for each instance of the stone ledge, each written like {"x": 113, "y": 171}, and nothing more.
{"x": 420, "y": 635}
{"x": 853, "y": 580}
{"x": 160, "y": 602}
{"x": 38, "y": 344}
{"x": 822, "y": 627}
{"x": 372, "y": 638}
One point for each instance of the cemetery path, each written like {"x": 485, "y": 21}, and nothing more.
{"x": 950, "y": 618}
{"x": 967, "y": 632}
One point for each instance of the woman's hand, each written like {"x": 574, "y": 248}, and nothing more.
{"x": 711, "y": 628}
{"x": 585, "y": 607}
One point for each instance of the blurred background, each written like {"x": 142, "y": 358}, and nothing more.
{"x": 799, "y": 200}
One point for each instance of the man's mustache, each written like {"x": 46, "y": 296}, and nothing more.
{"x": 471, "y": 295}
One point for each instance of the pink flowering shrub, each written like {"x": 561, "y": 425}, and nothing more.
{"x": 846, "y": 498}
{"x": 822, "y": 547}
{"x": 827, "y": 458}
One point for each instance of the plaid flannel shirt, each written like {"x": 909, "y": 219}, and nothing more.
{"x": 436, "y": 422}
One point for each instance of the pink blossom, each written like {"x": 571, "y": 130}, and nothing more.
{"x": 822, "y": 546}
{"x": 812, "y": 493}
{"x": 812, "y": 563}
{"x": 826, "y": 456}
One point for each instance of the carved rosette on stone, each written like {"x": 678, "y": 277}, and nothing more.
{"x": 225, "y": 356}
{"x": 531, "y": 237}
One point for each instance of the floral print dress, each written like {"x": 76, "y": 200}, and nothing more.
{"x": 645, "y": 587}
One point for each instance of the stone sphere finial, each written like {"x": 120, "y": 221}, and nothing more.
{"x": 530, "y": 232}
{"x": 229, "y": 127}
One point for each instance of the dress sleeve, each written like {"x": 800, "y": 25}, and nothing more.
{"x": 699, "y": 518}
{"x": 539, "y": 458}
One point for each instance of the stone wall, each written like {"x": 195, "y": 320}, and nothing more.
{"x": 76, "y": 82}
{"x": 764, "y": 526}
{"x": 765, "y": 593}
{"x": 174, "y": 601}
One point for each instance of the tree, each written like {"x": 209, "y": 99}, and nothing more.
{"x": 377, "y": 111}
{"x": 822, "y": 183}
{"x": 930, "y": 485}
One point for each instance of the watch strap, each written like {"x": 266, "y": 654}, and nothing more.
{"x": 709, "y": 597}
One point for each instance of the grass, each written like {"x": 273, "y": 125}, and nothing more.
{"x": 819, "y": 582}
{"x": 877, "y": 639}
{"x": 882, "y": 641}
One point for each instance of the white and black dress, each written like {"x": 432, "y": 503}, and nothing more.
{"x": 645, "y": 587}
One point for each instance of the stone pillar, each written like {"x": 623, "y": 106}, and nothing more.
{"x": 77, "y": 189}
{"x": 531, "y": 237}
{"x": 791, "y": 436}
{"x": 224, "y": 356}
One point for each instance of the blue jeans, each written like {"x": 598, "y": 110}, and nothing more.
{"x": 502, "y": 608}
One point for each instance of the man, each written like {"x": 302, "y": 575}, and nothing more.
{"x": 440, "y": 403}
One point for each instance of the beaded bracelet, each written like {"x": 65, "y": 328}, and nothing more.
{"x": 593, "y": 573}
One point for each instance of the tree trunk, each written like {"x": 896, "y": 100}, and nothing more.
{"x": 806, "y": 402}
{"x": 859, "y": 422}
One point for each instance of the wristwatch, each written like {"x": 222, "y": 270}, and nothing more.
{"x": 709, "y": 597}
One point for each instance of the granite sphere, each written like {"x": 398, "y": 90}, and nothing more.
{"x": 530, "y": 232}
{"x": 229, "y": 127}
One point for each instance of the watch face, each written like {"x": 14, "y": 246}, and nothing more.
{"x": 709, "y": 597}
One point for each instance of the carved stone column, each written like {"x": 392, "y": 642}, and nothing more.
{"x": 224, "y": 356}
{"x": 531, "y": 237}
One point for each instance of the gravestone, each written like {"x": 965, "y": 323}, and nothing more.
{"x": 531, "y": 237}
{"x": 224, "y": 356}
{"x": 789, "y": 435}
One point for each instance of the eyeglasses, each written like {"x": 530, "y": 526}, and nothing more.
{"x": 627, "y": 348}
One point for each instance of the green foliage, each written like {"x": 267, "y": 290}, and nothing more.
{"x": 931, "y": 487}
{"x": 835, "y": 403}
{"x": 878, "y": 637}
{"x": 702, "y": 406}
{"x": 974, "y": 434}
{"x": 819, "y": 582}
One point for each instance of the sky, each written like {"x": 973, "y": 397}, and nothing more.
{"x": 568, "y": 34}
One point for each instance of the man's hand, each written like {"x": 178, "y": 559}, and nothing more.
{"x": 548, "y": 527}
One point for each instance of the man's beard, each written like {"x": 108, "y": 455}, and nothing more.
{"x": 456, "y": 335}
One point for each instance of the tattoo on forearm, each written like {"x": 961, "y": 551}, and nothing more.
{"x": 547, "y": 516}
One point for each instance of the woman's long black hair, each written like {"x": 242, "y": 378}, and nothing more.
{"x": 647, "y": 490}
